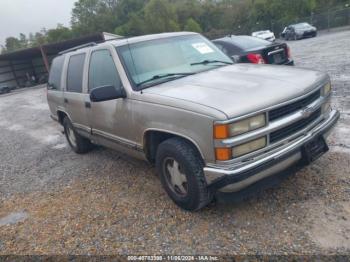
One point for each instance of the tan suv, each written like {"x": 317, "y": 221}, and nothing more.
{"x": 212, "y": 128}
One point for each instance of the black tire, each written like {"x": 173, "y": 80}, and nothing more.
{"x": 81, "y": 145}
{"x": 191, "y": 164}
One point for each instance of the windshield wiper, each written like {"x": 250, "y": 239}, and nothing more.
{"x": 206, "y": 62}
{"x": 156, "y": 77}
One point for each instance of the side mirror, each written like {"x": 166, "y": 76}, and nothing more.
{"x": 105, "y": 93}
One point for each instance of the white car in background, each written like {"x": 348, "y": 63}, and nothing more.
{"x": 266, "y": 35}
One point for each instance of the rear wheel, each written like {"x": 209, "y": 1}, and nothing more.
{"x": 180, "y": 168}
{"x": 79, "y": 144}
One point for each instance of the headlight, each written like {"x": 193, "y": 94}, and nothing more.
{"x": 327, "y": 89}
{"x": 239, "y": 127}
{"x": 249, "y": 147}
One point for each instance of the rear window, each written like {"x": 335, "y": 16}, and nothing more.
{"x": 75, "y": 73}
{"x": 56, "y": 73}
{"x": 247, "y": 42}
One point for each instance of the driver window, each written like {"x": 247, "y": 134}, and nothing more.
{"x": 102, "y": 71}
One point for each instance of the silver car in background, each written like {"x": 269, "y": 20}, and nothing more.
{"x": 265, "y": 35}
{"x": 213, "y": 129}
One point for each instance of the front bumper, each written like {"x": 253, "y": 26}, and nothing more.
{"x": 229, "y": 179}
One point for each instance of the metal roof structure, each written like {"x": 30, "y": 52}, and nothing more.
{"x": 16, "y": 66}
{"x": 55, "y": 48}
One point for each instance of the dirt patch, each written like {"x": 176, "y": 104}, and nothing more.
{"x": 13, "y": 218}
{"x": 331, "y": 225}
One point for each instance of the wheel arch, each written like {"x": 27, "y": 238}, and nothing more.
{"x": 61, "y": 115}
{"x": 152, "y": 138}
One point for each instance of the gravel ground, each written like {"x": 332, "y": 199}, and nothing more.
{"x": 56, "y": 202}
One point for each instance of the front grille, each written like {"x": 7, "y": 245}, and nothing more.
{"x": 293, "y": 107}
{"x": 293, "y": 128}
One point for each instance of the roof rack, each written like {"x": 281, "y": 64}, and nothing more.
{"x": 77, "y": 48}
{"x": 116, "y": 38}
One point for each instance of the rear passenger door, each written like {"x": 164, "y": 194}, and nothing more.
{"x": 76, "y": 98}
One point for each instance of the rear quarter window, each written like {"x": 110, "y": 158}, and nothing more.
{"x": 55, "y": 76}
{"x": 75, "y": 73}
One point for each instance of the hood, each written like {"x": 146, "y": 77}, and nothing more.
{"x": 241, "y": 88}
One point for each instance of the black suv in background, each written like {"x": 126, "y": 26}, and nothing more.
{"x": 247, "y": 49}
{"x": 299, "y": 31}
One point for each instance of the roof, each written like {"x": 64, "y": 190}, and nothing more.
{"x": 55, "y": 48}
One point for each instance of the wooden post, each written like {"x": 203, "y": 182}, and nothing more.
{"x": 46, "y": 61}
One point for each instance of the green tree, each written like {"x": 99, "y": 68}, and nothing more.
{"x": 12, "y": 44}
{"x": 90, "y": 16}
{"x": 127, "y": 9}
{"x": 40, "y": 38}
{"x": 215, "y": 18}
{"x": 135, "y": 26}
{"x": 160, "y": 17}
{"x": 192, "y": 26}
{"x": 186, "y": 9}
{"x": 60, "y": 33}
{"x": 2, "y": 49}
{"x": 23, "y": 40}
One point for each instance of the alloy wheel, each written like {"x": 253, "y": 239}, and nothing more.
{"x": 175, "y": 177}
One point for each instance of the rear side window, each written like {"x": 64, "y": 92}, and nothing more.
{"x": 56, "y": 73}
{"x": 102, "y": 71}
{"x": 75, "y": 73}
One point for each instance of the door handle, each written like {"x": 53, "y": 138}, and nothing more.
{"x": 66, "y": 100}
{"x": 87, "y": 104}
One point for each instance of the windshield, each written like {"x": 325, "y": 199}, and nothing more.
{"x": 156, "y": 61}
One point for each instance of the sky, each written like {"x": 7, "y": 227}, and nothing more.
{"x": 26, "y": 16}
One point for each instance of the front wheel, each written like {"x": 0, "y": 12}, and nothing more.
{"x": 180, "y": 168}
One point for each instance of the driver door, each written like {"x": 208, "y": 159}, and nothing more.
{"x": 105, "y": 118}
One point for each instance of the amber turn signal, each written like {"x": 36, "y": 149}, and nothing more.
{"x": 223, "y": 154}
{"x": 221, "y": 131}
